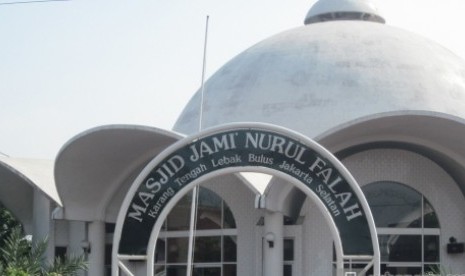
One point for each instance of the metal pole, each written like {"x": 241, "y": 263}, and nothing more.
{"x": 195, "y": 191}
{"x": 193, "y": 221}
{"x": 203, "y": 75}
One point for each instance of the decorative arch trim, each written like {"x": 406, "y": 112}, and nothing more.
{"x": 245, "y": 147}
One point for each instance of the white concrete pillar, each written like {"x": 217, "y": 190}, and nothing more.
{"x": 41, "y": 222}
{"x": 273, "y": 244}
{"x": 76, "y": 234}
{"x": 97, "y": 248}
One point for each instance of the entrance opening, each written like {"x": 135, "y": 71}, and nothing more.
{"x": 246, "y": 147}
{"x": 215, "y": 251}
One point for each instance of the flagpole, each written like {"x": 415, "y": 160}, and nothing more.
{"x": 195, "y": 190}
{"x": 202, "y": 86}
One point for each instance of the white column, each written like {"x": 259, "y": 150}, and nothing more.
{"x": 97, "y": 248}
{"x": 42, "y": 222}
{"x": 76, "y": 236}
{"x": 273, "y": 244}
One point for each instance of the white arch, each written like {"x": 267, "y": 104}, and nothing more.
{"x": 232, "y": 128}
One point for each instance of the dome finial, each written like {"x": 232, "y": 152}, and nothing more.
{"x": 330, "y": 10}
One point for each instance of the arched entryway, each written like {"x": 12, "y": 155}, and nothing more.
{"x": 236, "y": 148}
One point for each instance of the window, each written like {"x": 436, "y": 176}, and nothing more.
{"x": 408, "y": 229}
{"x": 60, "y": 252}
{"x": 215, "y": 243}
{"x": 288, "y": 255}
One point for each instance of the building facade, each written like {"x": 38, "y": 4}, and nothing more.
{"x": 389, "y": 104}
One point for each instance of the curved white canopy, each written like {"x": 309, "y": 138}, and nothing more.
{"x": 18, "y": 179}
{"x": 94, "y": 170}
{"x": 437, "y": 136}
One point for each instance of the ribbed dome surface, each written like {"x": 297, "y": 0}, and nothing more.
{"x": 316, "y": 77}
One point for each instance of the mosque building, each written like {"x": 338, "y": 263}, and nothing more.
{"x": 386, "y": 104}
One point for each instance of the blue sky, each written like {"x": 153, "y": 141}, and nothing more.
{"x": 69, "y": 66}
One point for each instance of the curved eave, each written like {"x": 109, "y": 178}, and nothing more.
{"x": 94, "y": 167}
{"x": 35, "y": 172}
{"x": 437, "y": 136}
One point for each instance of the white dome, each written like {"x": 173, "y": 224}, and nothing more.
{"x": 319, "y": 76}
